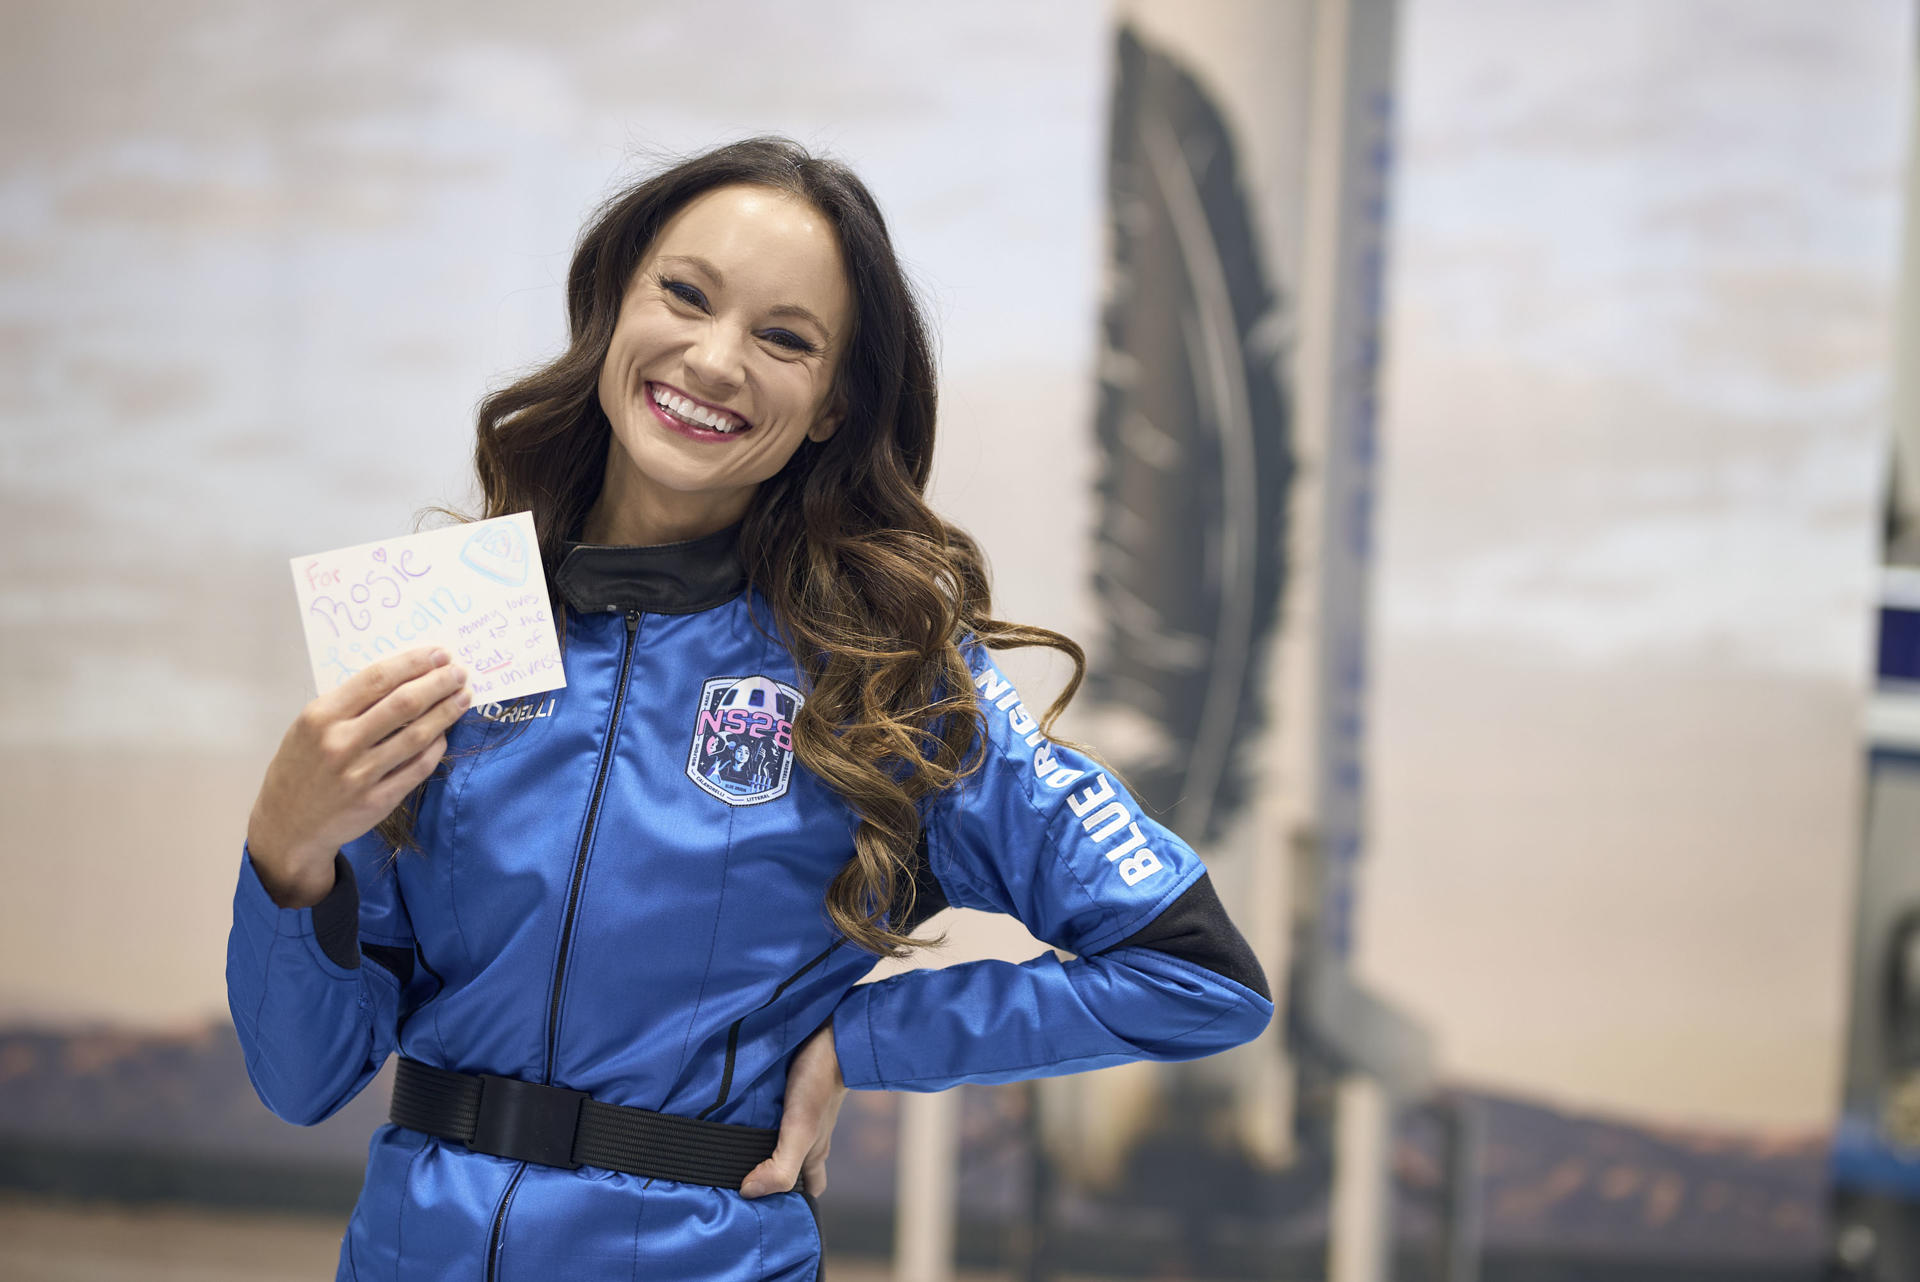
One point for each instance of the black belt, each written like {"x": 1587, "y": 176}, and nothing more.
{"x": 529, "y": 1122}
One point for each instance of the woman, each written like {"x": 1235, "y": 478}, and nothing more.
{"x": 617, "y": 945}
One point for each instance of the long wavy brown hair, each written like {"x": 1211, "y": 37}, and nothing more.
{"x": 870, "y": 590}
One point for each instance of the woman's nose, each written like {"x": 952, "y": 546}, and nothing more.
{"x": 716, "y": 357}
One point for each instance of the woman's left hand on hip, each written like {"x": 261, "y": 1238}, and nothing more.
{"x": 814, "y": 1091}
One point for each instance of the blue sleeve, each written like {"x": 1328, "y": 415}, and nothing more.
{"x": 1047, "y": 835}
{"x": 316, "y": 993}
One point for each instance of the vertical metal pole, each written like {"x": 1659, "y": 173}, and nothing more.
{"x": 929, "y": 1158}
{"x": 1360, "y": 1229}
{"x": 1904, "y": 401}
{"x": 1342, "y": 281}
{"x": 1038, "y": 1234}
{"x": 1460, "y": 1229}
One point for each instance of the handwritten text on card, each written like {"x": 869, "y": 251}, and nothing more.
{"x": 475, "y": 590}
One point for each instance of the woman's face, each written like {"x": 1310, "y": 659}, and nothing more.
{"x": 722, "y": 358}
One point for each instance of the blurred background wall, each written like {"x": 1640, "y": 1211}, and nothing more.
{"x": 1640, "y": 350}
{"x": 259, "y": 263}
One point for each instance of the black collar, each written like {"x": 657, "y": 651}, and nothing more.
{"x": 666, "y": 578}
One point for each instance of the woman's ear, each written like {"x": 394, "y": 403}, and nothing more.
{"x": 829, "y": 421}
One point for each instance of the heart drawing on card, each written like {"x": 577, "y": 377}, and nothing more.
{"x": 499, "y": 552}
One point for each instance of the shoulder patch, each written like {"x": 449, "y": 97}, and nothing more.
{"x": 742, "y": 750}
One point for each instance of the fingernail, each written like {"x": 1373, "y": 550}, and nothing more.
{"x": 750, "y": 1189}
{"x": 440, "y": 657}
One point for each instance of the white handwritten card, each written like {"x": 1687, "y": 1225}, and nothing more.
{"x": 477, "y": 591}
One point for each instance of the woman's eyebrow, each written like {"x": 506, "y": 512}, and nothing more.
{"x": 719, "y": 279}
{"x": 698, "y": 264}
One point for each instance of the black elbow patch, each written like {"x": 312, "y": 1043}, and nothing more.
{"x": 336, "y": 919}
{"x": 1196, "y": 928}
{"x": 397, "y": 962}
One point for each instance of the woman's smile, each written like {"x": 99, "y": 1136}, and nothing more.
{"x": 693, "y": 417}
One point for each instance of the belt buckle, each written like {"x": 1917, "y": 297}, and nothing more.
{"x": 527, "y": 1122}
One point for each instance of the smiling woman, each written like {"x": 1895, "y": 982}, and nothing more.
{"x": 720, "y": 340}
{"x": 616, "y": 940}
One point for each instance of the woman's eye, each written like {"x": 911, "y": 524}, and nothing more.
{"x": 684, "y": 292}
{"x": 788, "y": 339}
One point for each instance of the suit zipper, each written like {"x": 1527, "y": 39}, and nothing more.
{"x": 499, "y": 1222}
{"x": 586, "y": 842}
{"x": 566, "y": 922}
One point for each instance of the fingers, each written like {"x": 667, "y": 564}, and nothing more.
{"x": 781, "y": 1172}
{"x": 814, "y": 1092}
{"x": 402, "y": 780}
{"x": 372, "y": 683}
{"x": 769, "y": 1177}
{"x": 400, "y": 748}
{"x": 814, "y": 1174}
{"x": 407, "y": 704}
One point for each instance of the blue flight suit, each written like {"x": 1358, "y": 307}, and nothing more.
{"x": 596, "y": 904}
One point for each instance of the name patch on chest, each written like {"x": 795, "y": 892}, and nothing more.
{"x": 742, "y": 749}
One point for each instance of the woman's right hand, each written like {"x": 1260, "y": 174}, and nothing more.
{"x": 349, "y": 758}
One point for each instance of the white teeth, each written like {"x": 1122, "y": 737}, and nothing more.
{"x": 693, "y": 413}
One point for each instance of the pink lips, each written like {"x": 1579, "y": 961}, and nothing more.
{"x": 682, "y": 427}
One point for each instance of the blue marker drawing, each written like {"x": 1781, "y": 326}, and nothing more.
{"x": 498, "y": 552}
